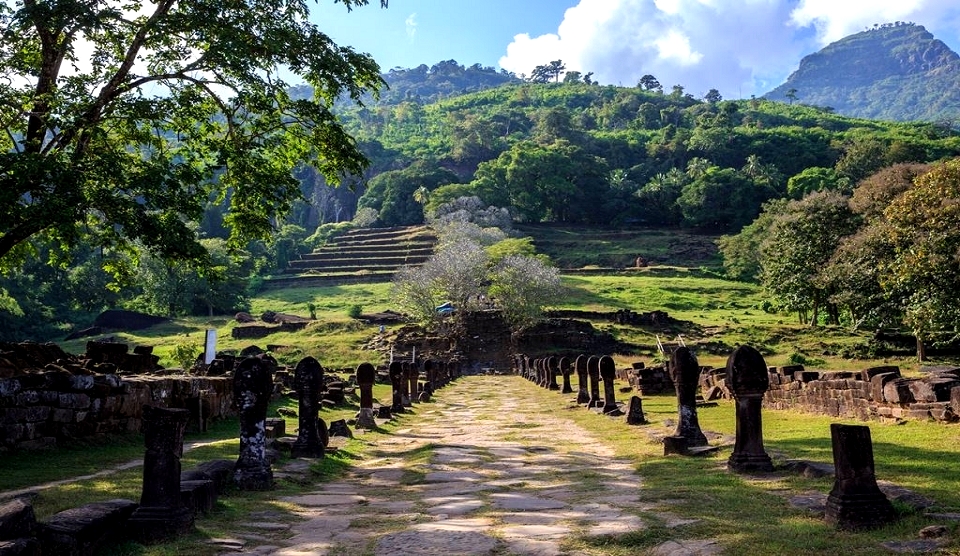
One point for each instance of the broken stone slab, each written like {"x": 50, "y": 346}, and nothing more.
{"x": 219, "y": 470}
{"x": 17, "y": 519}
{"x": 85, "y": 529}
{"x": 26, "y": 546}
{"x": 199, "y": 495}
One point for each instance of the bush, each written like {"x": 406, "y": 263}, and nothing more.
{"x": 185, "y": 354}
{"x": 355, "y": 311}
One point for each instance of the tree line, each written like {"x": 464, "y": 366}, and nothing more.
{"x": 886, "y": 255}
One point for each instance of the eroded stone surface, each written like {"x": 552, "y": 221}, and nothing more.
{"x": 495, "y": 484}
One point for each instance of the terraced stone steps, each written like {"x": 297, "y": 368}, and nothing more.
{"x": 360, "y": 256}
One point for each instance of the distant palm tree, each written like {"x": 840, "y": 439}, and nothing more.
{"x": 421, "y": 195}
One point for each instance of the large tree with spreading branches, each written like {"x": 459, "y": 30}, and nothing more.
{"x": 121, "y": 119}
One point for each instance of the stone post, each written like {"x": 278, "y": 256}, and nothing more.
{"x": 685, "y": 372}
{"x": 405, "y": 384}
{"x": 414, "y": 380}
{"x": 308, "y": 381}
{"x": 748, "y": 380}
{"x": 396, "y": 380}
{"x": 566, "y": 371}
{"x": 580, "y": 366}
{"x": 593, "y": 371}
{"x": 161, "y": 515}
{"x": 856, "y": 501}
{"x": 553, "y": 369}
{"x": 252, "y": 386}
{"x": 608, "y": 371}
{"x": 429, "y": 371}
{"x": 635, "y": 412}
{"x": 366, "y": 376}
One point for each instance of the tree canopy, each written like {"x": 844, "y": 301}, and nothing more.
{"x": 123, "y": 119}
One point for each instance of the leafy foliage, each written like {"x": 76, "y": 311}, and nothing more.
{"x": 123, "y": 119}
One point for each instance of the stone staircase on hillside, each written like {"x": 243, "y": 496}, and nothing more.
{"x": 360, "y": 256}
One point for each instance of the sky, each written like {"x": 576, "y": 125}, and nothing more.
{"x": 739, "y": 47}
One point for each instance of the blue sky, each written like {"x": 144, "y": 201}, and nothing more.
{"x": 740, "y": 47}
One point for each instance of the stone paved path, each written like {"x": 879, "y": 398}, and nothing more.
{"x": 503, "y": 477}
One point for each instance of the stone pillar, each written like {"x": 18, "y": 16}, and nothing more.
{"x": 856, "y": 501}
{"x": 608, "y": 372}
{"x": 553, "y": 369}
{"x": 396, "y": 380}
{"x": 429, "y": 371}
{"x": 566, "y": 371}
{"x": 414, "y": 382}
{"x": 308, "y": 381}
{"x": 593, "y": 371}
{"x": 748, "y": 379}
{"x": 405, "y": 384}
{"x": 635, "y": 412}
{"x": 580, "y": 366}
{"x": 366, "y": 376}
{"x": 161, "y": 515}
{"x": 685, "y": 372}
{"x": 252, "y": 386}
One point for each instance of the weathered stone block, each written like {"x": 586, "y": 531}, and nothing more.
{"x": 898, "y": 391}
{"x": 74, "y": 401}
{"x": 26, "y": 546}
{"x": 9, "y": 387}
{"x": 870, "y": 372}
{"x": 83, "y": 530}
{"x": 16, "y": 519}
{"x": 28, "y": 397}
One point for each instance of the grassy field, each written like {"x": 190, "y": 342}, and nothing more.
{"x": 715, "y": 314}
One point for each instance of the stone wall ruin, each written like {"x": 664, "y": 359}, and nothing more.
{"x": 48, "y": 395}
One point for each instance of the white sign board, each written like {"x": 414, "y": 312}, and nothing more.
{"x": 210, "y": 346}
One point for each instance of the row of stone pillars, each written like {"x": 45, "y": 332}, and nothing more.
{"x": 162, "y": 514}
{"x": 855, "y": 502}
{"x": 590, "y": 371}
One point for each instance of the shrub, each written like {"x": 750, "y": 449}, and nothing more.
{"x": 354, "y": 311}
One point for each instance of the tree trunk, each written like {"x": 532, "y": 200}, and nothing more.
{"x": 921, "y": 350}
{"x": 816, "y": 314}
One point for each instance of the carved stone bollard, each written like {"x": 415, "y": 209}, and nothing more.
{"x": 405, "y": 384}
{"x": 308, "y": 381}
{"x": 366, "y": 376}
{"x": 580, "y": 366}
{"x": 252, "y": 386}
{"x": 566, "y": 371}
{"x": 685, "y": 372}
{"x": 748, "y": 380}
{"x": 413, "y": 380}
{"x": 553, "y": 369}
{"x": 635, "y": 412}
{"x": 162, "y": 514}
{"x": 593, "y": 371}
{"x": 856, "y": 501}
{"x": 608, "y": 372}
{"x": 396, "y": 380}
{"x": 430, "y": 372}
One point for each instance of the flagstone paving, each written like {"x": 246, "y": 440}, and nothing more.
{"x": 503, "y": 478}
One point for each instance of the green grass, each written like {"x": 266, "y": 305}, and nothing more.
{"x": 750, "y": 515}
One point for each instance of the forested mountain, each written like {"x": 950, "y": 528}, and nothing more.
{"x": 576, "y": 152}
{"x": 895, "y": 71}
{"x": 431, "y": 83}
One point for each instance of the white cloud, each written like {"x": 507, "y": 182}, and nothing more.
{"x": 740, "y": 47}
{"x": 676, "y": 46}
{"x": 411, "y": 23}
